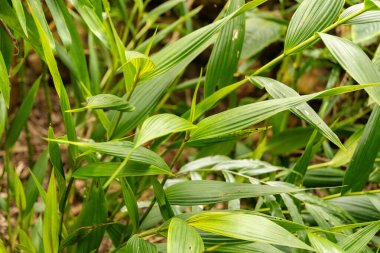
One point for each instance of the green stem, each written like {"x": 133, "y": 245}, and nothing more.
{"x": 351, "y": 194}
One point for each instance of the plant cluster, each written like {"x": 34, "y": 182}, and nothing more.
{"x": 174, "y": 164}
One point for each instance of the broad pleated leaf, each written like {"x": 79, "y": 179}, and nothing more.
{"x": 17, "y": 5}
{"x": 122, "y": 149}
{"x": 132, "y": 169}
{"x": 235, "y": 119}
{"x": 161, "y": 125}
{"x": 226, "y": 52}
{"x": 354, "y": 61}
{"x": 322, "y": 245}
{"x": 106, "y": 102}
{"x": 364, "y": 33}
{"x": 366, "y": 17}
{"x": 360, "y": 207}
{"x": 5, "y": 88}
{"x": 50, "y": 227}
{"x": 190, "y": 193}
{"x": 246, "y": 227}
{"x": 357, "y": 241}
{"x": 22, "y": 115}
{"x": 60, "y": 22}
{"x": 183, "y": 238}
{"x": 279, "y": 90}
{"x": 136, "y": 244}
{"x": 311, "y": 16}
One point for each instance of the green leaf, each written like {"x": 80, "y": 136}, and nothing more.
{"x": 235, "y": 119}
{"x": 363, "y": 18}
{"x": 132, "y": 169}
{"x": 4, "y": 81}
{"x": 365, "y": 33}
{"x": 246, "y": 227}
{"x": 131, "y": 204}
{"x": 122, "y": 149}
{"x": 50, "y": 226}
{"x": 162, "y": 200}
{"x": 22, "y": 115}
{"x": 311, "y": 17}
{"x": 140, "y": 64}
{"x": 226, "y": 52}
{"x": 17, "y": 5}
{"x": 357, "y": 241}
{"x": 108, "y": 102}
{"x": 136, "y": 244}
{"x": 25, "y": 242}
{"x": 93, "y": 22}
{"x": 60, "y": 22}
{"x": 279, "y": 90}
{"x": 355, "y": 62}
{"x": 322, "y": 245}
{"x": 161, "y": 125}
{"x": 360, "y": 207}
{"x": 39, "y": 172}
{"x": 183, "y": 238}
{"x": 191, "y": 193}
{"x": 363, "y": 159}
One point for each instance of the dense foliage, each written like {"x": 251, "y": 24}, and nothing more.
{"x": 183, "y": 136}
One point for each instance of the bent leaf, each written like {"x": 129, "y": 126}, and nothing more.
{"x": 246, "y": 227}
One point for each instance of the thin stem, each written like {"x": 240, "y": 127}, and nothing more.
{"x": 351, "y": 194}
